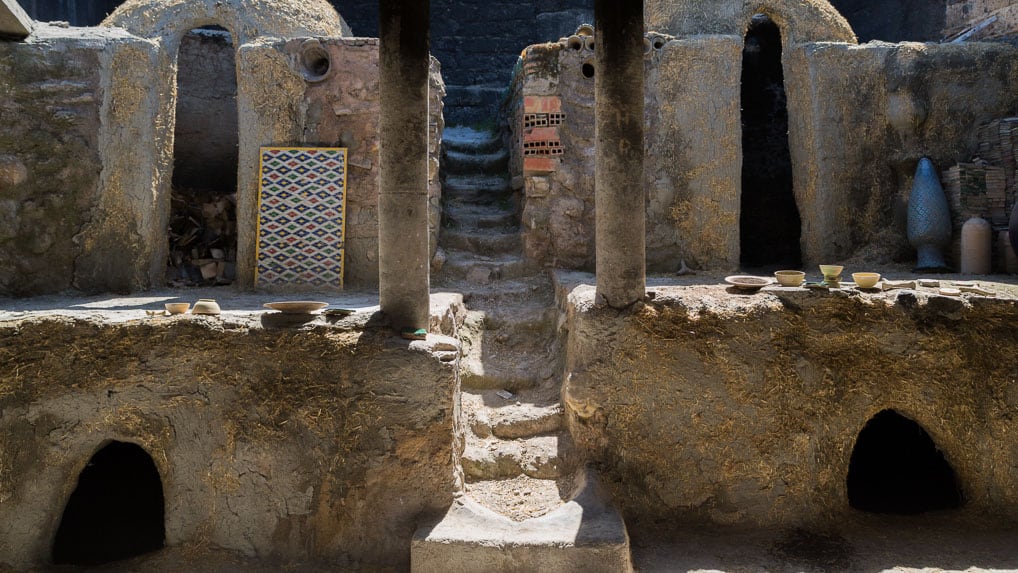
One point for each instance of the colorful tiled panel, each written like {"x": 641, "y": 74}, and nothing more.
{"x": 301, "y": 216}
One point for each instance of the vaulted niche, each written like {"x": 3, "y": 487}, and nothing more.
{"x": 115, "y": 512}
{"x": 769, "y": 223}
{"x": 896, "y": 468}
{"x": 203, "y": 214}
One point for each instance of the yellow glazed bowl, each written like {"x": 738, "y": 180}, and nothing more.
{"x": 790, "y": 278}
{"x": 831, "y": 270}
{"x": 866, "y": 280}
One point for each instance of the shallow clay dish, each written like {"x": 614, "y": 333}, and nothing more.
{"x": 296, "y": 306}
{"x": 746, "y": 282}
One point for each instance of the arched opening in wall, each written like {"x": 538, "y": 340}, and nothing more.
{"x": 769, "y": 223}
{"x": 896, "y": 468}
{"x": 203, "y": 213}
{"x": 115, "y": 512}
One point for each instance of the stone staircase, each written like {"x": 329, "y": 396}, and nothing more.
{"x": 524, "y": 486}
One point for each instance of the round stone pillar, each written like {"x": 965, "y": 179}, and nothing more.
{"x": 403, "y": 61}
{"x": 619, "y": 196}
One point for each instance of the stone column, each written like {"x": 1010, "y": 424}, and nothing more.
{"x": 403, "y": 271}
{"x": 619, "y": 196}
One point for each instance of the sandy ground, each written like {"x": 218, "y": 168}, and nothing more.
{"x": 912, "y": 544}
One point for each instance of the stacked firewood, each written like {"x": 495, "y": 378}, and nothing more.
{"x": 203, "y": 238}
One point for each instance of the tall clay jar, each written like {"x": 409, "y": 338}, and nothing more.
{"x": 929, "y": 219}
{"x": 976, "y": 246}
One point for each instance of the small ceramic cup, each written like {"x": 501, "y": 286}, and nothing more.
{"x": 790, "y": 278}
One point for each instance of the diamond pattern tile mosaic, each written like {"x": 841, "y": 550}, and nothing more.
{"x": 301, "y": 216}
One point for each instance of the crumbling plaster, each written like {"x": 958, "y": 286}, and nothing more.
{"x": 119, "y": 220}
{"x": 860, "y": 117}
{"x": 759, "y": 400}
{"x": 803, "y": 21}
{"x": 274, "y": 442}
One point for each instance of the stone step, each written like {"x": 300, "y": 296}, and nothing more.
{"x": 511, "y": 352}
{"x": 584, "y": 534}
{"x": 473, "y": 162}
{"x": 469, "y": 140}
{"x": 478, "y": 216}
{"x": 489, "y": 242}
{"x": 476, "y": 269}
{"x": 472, "y": 188}
{"x": 546, "y": 456}
{"x": 527, "y": 320}
{"x": 523, "y": 497}
{"x": 529, "y": 413}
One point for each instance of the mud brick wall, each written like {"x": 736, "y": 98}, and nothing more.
{"x": 328, "y": 444}
{"x": 758, "y": 401}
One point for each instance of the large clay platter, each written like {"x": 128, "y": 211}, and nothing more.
{"x": 748, "y": 283}
{"x": 296, "y": 306}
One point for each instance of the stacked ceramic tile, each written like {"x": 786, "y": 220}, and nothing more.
{"x": 986, "y": 187}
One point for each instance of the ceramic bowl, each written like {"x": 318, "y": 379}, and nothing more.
{"x": 866, "y": 280}
{"x": 205, "y": 306}
{"x": 296, "y": 306}
{"x": 747, "y": 282}
{"x": 790, "y": 278}
{"x": 831, "y": 270}
{"x": 177, "y": 307}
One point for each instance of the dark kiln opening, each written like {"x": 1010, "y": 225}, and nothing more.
{"x": 769, "y": 223}
{"x": 115, "y": 512}
{"x": 203, "y": 215}
{"x": 896, "y": 468}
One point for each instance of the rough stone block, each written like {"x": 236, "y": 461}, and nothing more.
{"x": 14, "y": 22}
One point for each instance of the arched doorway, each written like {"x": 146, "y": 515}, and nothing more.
{"x": 203, "y": 212}
{"x": 896, "y": 468}
{"x": 769, "y": 222}
{"x": 115, "y": 512}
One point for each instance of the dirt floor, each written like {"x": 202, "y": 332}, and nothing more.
{"x": 888, "y": 544}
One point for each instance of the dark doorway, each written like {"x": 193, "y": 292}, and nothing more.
{"x": 203, "y": 214}
{"x": 115, "y": 512}
{"x": 896, "y": 468}
{"x": 769, "y": 224}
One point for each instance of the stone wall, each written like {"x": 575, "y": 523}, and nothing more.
{"x": 478, "y": 43}
{"x": 860, "y": 117}
{"x": 87, "y": 193}
{"x": 343, "y": 110}
{"x": 894, "y": 20}
{"x": 708, "y": 407}
{"x": 54, "y": 99}
{"x": 322, "y": 445}
{"x": 963, "y": 15}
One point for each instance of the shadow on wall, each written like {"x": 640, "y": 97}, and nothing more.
{"x": 115, "y": 512}
{"x": 770, "y": 225}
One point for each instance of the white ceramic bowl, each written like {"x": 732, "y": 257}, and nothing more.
{"x": 866, "y": 280}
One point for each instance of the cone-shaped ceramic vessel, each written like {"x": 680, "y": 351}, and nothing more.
{"x": 929, "y": 219}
